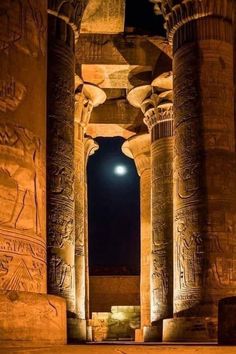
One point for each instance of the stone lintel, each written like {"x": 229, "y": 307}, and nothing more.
{"x": 120, "y": 49}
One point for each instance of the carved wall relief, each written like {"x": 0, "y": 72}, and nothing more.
{"x": 22, "y": 248}
{"x": 22, "y": 25}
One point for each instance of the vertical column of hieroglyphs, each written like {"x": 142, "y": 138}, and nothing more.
{"x": 138, "y": 148}
{"x": 60, "y": 161}
{"x": 160, "y": 123}
{"x": 22, "y": 145}
{"x": 204, "y": 161}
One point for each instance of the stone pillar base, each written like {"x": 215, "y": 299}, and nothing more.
{"x": 76, "y": 330}
{"x": 190, "y": 329}
{"x": 152, "y": 333}
{"x": 138, "y": 335}
{"x": 89, "y": 333}
{"x": 31, "y": 319}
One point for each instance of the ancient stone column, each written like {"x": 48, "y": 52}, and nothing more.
{"x": 138, "y": 148}
{"x": 28, "y": 314}
{"x": 204, "y": 165}
{"x": 60, "y": 165}
{"x": 90, "y": 147}
{"x": 85, "y": 101}
{"x": 157, "y": 108}
{"x": 160, "y": 124}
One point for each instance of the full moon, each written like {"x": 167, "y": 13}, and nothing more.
{"x": 120, "y": 170}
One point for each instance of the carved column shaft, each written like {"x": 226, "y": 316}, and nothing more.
{"x": 138, "y": 148}
{"x": 23, "y": 30}
{"x": 204, "y": 165}
{"x": 79, "y": 222}
{"x": 160, "y": 122}
{"x": 60, "y": 162}
{"x": 145, "y": 205}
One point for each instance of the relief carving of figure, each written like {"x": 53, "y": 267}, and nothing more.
{"x": 19, "y": 161}
{"x": 160, "y": 278}
{"x": 188, "y": 182}
{"x": 188, "y": 253}
{"x": 61, "y": 273}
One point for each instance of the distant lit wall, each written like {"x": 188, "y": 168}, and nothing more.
{"x": 107, "y": 291}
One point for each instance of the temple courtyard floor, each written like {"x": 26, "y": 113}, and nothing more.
{"x": 126, "y": 349}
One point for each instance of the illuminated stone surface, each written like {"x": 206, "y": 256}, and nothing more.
{"x": 118, "y": 324}
{"x": 204, "y": 163}
{"x": 60, "y": 166}
{"x": 89, "y": 97}
{"x": 22, "y": 147}
{"x": 157, "y": 108}
{"x": 204, "y": 203}
{"x": 138, "y": 148}
{"x": 35, "y": 320}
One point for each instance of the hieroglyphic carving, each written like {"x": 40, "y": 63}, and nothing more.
{"x": 22, "y": 249}
{"x": 60, "y": 163}
{"x": 161, "y": 259}
{"x": 204, "y": 176}
{"x": 22, "y": 24}
{"x": 20, "y": 164}
{"x": 11, "y": 94}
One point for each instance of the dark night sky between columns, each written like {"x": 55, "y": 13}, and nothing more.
{"x": 114, "y": 217}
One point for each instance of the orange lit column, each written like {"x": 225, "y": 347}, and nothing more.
{"x": 138, "y": 148}
{"x": 160, "y": 123}
{"x": 27, "y": 315}
{"x": 85, "y": 101}
{"x": 204, "y": 165}
{"x": 90, "y": 147}
{"x": 60, "y": 165}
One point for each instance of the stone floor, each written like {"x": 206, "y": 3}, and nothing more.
{"x": 126, "y": 349}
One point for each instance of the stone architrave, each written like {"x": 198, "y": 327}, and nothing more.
{"x": 89, "y": 97}
{"x": 157, "y": 108}
{"x": 138, "y": 148}
{"x": 60, "y": 165}
{"x": 204, "y": 165}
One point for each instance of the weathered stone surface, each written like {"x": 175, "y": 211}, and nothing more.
{"x": 118, "y": 324}
{"x": 22, "y": 145}
{"x": 204, "y": 164}
{"x": 60, "y": 163}
{"x": 103, "y": 16}
{"x": 138, "y": 148}
{"x": 187, "y": 329}
{"x": 118, "y": 49}
{"x": 89, "y": 97}
{"x": 104, "y": 289}
{"x": 29, "y": 319}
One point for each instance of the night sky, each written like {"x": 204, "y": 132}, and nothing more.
{"x": 113, "y": 208}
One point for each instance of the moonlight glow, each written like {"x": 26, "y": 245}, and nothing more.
{"x": 120, "y": 170}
